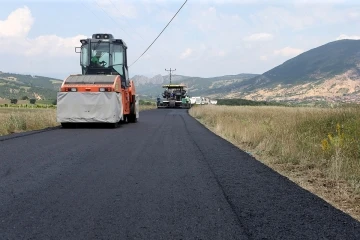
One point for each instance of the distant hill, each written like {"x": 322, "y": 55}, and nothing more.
{"x": 14, "y": 85}
{"x": 320, "y": 63}
{"x": 152, "y": 87}
{"x": 328, "y": 71}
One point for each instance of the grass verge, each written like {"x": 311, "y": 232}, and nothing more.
{"x": 15, "y": 120}
{"x": 317, "y": 148}
{"x": 22, "y": 119}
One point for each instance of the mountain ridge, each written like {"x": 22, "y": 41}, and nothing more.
{"x": 330, "y": 71}
{"x": 334, "y": 62}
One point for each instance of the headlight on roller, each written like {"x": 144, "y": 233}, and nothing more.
{"x": 72, "y": 89}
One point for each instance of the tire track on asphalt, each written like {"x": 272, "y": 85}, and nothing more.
{"x": 231, "y": 205}
{"x": 269, "y": 204}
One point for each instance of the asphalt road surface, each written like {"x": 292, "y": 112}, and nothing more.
{"x": 164, "y": 177}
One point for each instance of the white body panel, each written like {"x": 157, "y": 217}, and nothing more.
{"x": 77, "y": 107}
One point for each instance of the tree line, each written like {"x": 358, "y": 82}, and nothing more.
{"x": 245, "y": 102}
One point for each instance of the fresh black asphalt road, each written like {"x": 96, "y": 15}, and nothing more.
{"x": 164, "y": 177}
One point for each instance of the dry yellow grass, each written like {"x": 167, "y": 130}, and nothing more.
{"x": 14, "y": 120}
{"x": 19, "y": 120}
{"x": 146, "y": 107}
{"x": 317, "y": 148}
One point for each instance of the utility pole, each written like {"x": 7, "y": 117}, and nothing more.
{"x": 171, "y": 70}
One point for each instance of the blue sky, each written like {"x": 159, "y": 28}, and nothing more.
{"x": 207, "y": 38}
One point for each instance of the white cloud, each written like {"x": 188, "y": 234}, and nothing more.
{"x": 344, "y": 36}
{"x": 187, "y": 53}
{"x": 211, "y": 19}
{"x": 53, "y": 45}
{"x": 259, "y": 37}
{"x": 207, "y": 19}
{"x": 275, "y": 19}
{"x": 288, "y": 52}
{"x": 147, "y": 56}
{"x": 314, "y": 2}
{"x": 228, "y": 1}
{"x": 203, "y": 52}
{"x": 354, "y": 15}
{"x": 221, "y": 53}
{"x": 14, "y": 30}
{"x": 209, "y": 11}
{"x": 17, "y": 24}
{"x": 303, "y": 15}
{"x": 205, "y": 33}
{"x": 218, "y": 26}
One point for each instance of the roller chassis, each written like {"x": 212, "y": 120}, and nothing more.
{"x": 102, "y": 94}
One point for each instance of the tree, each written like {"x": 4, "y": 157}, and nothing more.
{"x": 32, "y": 101}
{"x": 13, "y": 101}
{"x": 24, "y": 98}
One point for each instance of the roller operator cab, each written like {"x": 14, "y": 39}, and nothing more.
{"x": 102, "y": 93}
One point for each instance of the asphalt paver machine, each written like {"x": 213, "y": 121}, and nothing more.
{"x": 174, "y": 96}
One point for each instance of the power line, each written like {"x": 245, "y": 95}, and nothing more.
{"x": 117, "y": 24}
{"x": 159, "y": 34}
{"x": 124, "y": 16}
{"x": 97, "y": 17}
{"x": 112, "y": 18}
{"x": 129, "y": 24}
{"x": 89, "y": 9}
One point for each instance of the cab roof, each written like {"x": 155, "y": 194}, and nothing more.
{"x": 106, "y": 37}
{"x": 174, "y": 86}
